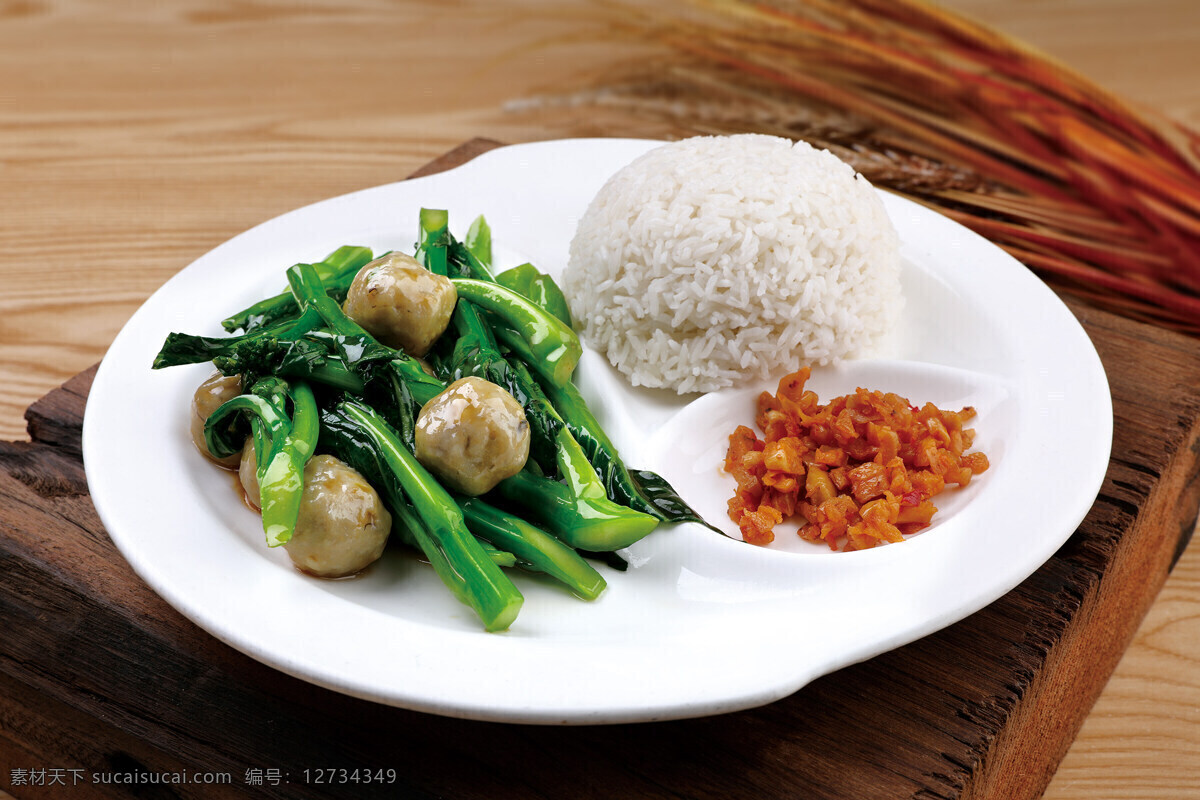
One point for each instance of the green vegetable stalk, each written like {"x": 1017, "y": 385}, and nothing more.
{"x": 587, "y": 523}
{"x": 358, "y": 346}
{"x": 435, "y": 233}
{"x": 554, "y": 347}
{"x": 533, "y": 546}
{"x": 337, "y": 271}
{"x": 282, "y": 446}
{"x": 460, "y": 561}
{"x": 640, "y": 489}
{"x": 474, "y": 352}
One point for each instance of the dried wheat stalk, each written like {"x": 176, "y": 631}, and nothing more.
{"x": 1102, "y": 200}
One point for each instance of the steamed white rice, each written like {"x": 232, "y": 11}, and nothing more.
{"x": 713, "y": 261}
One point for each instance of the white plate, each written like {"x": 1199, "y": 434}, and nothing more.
{"x": 699, "y": 624}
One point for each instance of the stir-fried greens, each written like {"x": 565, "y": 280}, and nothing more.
{"x": 314, "y": 380}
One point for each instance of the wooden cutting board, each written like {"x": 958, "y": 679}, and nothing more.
{"x": 98, "y": 675}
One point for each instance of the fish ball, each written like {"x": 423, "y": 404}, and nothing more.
{"x": 401, "y": 303}
{"x": 472, "y": 436}
{"x": 216, "y": 390}
{"x": 343, "y": 526}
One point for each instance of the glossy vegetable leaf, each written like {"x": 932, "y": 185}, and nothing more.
{"x": 478, "y": 241}
{"x": 538, "y": 287}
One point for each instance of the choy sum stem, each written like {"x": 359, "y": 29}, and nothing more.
{"x": 359, "y": 346}
{"x": 337, "y": 270}
{"x": 587, "y": 523}
{"x": 282, "y": 444}
{"x": 455, "y": 554}
{"x": 554, "y": 346}
{"x": 538, "y": 549}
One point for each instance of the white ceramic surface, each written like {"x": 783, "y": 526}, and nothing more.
{"x": 699, "y": 624}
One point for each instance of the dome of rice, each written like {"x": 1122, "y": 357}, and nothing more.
{"x": 713, "y": 261}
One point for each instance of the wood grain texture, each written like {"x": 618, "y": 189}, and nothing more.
{"x": 982, "y": 709}
{"x": 136, "y": 137}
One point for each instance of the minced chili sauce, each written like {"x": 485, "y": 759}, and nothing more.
{"x": 858, "y": 471}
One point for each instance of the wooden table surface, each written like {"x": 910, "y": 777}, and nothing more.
{"x": 135, "y": 137}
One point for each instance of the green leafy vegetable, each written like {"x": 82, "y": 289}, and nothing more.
{"x": 319, "y": 379}
{"x": 442, "y": 534}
